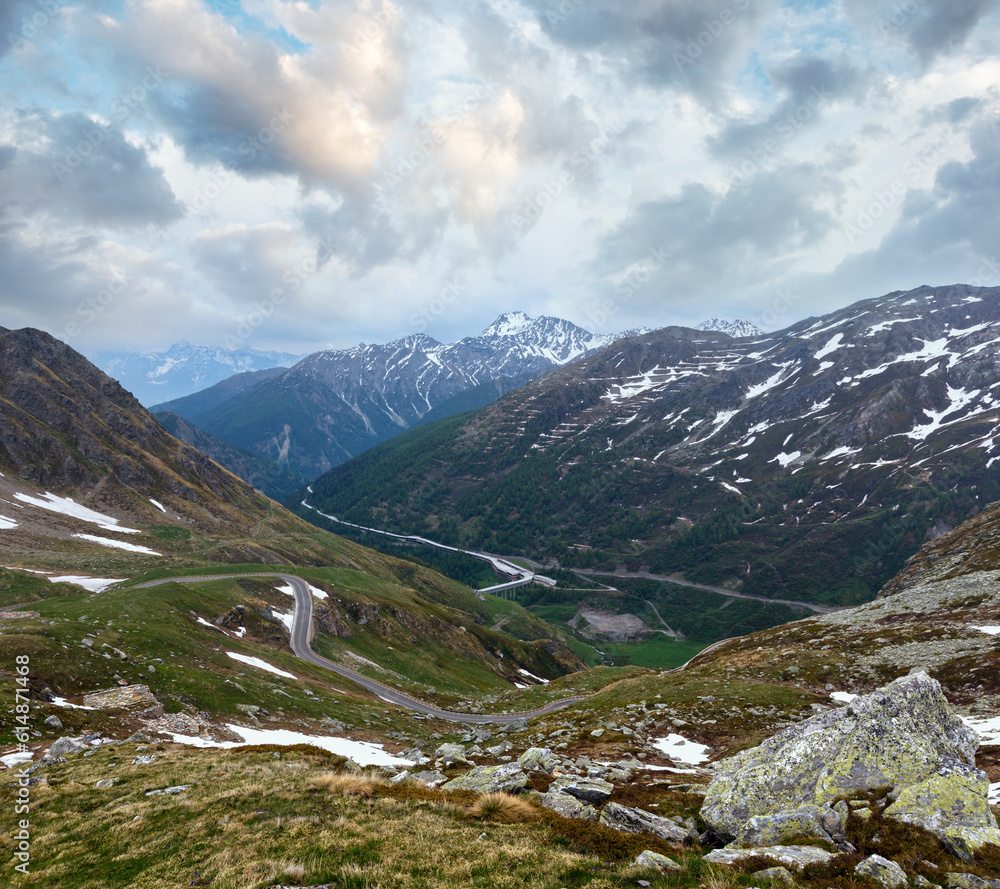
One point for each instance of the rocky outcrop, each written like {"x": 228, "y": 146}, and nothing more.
{"x": 589, "y": 790}
{"x": 628, "y": 820}
{"x": 506, "y": 778}
{"x": 655, "y": 859}
{"x": 904, "y": 737}
{"x": 538, "y": 759}
{"x": 793, "y": 857}
{"x": 116, "y": 698}
{"x": 568, "y": 806}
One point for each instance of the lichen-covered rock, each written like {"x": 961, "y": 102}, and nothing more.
{"x": 629, "y": 820}
{"x": 897, "y": 737}
{"x": 590, "y": 790}
{"x": 776, "y": 875}
{"x": 777, "y": 830}
{"x": 451, "y": 754}
{"x": 882, "y": 871}
{"x": 506, "y": 778}
{"x": 954, "y": 807}
{"x": 568, "y": 806}
{"x": 656, "y": 860}
{"x": 969, "y": 881}
{"x": 64, "y": 746}
{"x": 793, "y": 857}
{"x": 538, "y": 759}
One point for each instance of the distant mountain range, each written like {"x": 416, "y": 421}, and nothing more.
{"x": 738, "y": 328}
{"x": 183, "y": 368}
{"x": 336, "y": 404}
{"x": 807, "y": 463}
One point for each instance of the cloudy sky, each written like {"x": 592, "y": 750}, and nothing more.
{"x": 298, "y": 174}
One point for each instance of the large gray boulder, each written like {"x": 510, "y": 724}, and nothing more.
{"x": 508, "y": 777}
{"x": 538, "y": 759}
{"x": 777, "y": 830}
{"x": 629, "y": 820}
{"x": 904, "y": 736}
{"x": 448, "y": 755}
{"x": 568, "y": 806}
{"x": 590, "y": 790}
{"x": 885, "y": 873}
{"x": 64, "y": 746}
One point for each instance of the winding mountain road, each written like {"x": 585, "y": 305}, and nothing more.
{"x": 301, "y": 637}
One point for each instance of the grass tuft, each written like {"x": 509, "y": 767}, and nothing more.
{"x": 502, "y": 807}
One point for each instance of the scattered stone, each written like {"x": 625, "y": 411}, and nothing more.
{"x": 921, "y": 882}
{"x": 520, "y": 726}
{"x": 500, "y": 749}
{"x": 655, "y": 859}
{"x": 793, "y": 857}
{"x": 969, "y": 881}
{"x": 431, "y": 779}
{"x": 116, "y": 698}
{"x": 105, "y": 783}
{"x": 64, "y": 746}
{"x": 180, "y": 788}
{"x": 590, "y": 790}
{"x": 538, "y": 759}
{"x": 776, "y": 875}
{"x": 882, "y": 871}
{"x": 627, "y": 820}
{"x": 506, "y": 778}
{"x": 448, "y": 755}
{"x": 144, "y": 760}
{"x": 53, "y": 721}
{"x": 597, "y": 732}
{"x": 568, "y": 806}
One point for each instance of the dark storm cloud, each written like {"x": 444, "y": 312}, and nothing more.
{"x": 809, "y": 86}
{"x": 691, "y": 46}
{"x": 699, "y": 238}
{"x": 945, "y": 26}
{"x": 79, "y": 169}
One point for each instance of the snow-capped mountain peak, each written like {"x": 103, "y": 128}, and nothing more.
{"x": 508, "y": 324}
{"x": 737, "y": 328}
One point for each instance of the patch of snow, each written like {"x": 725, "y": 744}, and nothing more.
{"x": 15, "y": 759}
{"x": 117, "y": 544}
{"x": 94, "y": 584}
{"x": 361, "y": 752}
{"x": 786, "y": 459}
{"x": 959, "y": 399}
{"x": 62, "y": 702}
{"x": 730, "y": 487}
{"x": 318, "y": 593}
{"x": 993, "y": 631}
{"x": 987, "y": 729}
{"x": 994, "y": 795}
{"x": 241, "y": 632}
{"x": 68, "y": 507}
{"x": 206, "y": 623}
{"x": 680, "y": 749}
{"x": 835, "y": 343}
{"x": 7, "y": 524}
{"x": 158, "y": 505}
{"x": 287, "y": 589}
{"x": 841, "y": 452}
{"x": 259, "y": 664}
{"x": 533, "y": 676}
{"x": 286, "y": 619}
{"x": 885, "y": 325}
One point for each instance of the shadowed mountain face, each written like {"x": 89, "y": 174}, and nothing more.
{"x": 68, "y": 427}
{"x": 334, "y": 405}
{"x": 808, "y": 463}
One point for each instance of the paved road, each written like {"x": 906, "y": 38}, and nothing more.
{"x": 300, "y": 641}
{"x": 819, "y": 609}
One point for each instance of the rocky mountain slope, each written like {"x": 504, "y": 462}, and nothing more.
{"x": 806, "y": 464}
{"x": 336, "y": 404}
{"x": 737, "y": 328}
{"x": 267, "y": 477}
{"x": 183, "y": 368}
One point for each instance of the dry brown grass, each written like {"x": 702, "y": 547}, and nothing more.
{"x": 502, "y": 808}
{"x": 346, "y": 784}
